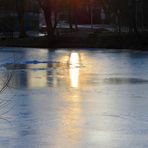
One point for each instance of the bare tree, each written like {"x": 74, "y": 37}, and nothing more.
{"x": 50, "y": 9}
{"x": 20, "y": 7}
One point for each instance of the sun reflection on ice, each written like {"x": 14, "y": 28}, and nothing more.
{"x": 74, "y": 62}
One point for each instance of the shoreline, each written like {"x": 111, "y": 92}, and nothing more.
{"x": 80, "y": 40}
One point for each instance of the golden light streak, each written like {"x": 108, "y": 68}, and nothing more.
{"x": 70, "y": 119}
{"x": 74, "y": 69}
{"x": 37, "y": 78}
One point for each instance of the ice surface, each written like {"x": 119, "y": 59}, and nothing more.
{"x": 74, "y": 98}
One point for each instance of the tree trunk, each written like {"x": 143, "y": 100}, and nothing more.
{"x": 76, "y": 22}
{"x": 133, "y": 23}
{"x": 48, "y": 19}
{"x": 21, "y": 17}
{"x": 70, "y": 17}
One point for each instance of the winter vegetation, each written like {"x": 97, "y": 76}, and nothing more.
{"x": 122, "y": 16}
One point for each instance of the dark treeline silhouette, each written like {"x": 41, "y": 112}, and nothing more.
{"x": 13, "y": 12}
{"x": 124, "y": 15}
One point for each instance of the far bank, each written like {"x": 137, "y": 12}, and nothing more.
{"x": 82, "y": 39}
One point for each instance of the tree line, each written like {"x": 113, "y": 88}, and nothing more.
{"x": 129, "y": 14}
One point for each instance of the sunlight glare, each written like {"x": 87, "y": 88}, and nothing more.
{"x": 74, "y": 69}
{"x": 74, "y": 59}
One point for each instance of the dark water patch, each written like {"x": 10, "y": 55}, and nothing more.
{"x": 33, "y": 65}
{"x": 116, "y": 81}
{"x": 38, "y": 62}
{"x": 40, "y": 65}
{"x": 125, "y": 81}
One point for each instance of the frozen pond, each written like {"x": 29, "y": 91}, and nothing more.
{"x": 73, "y": 98}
